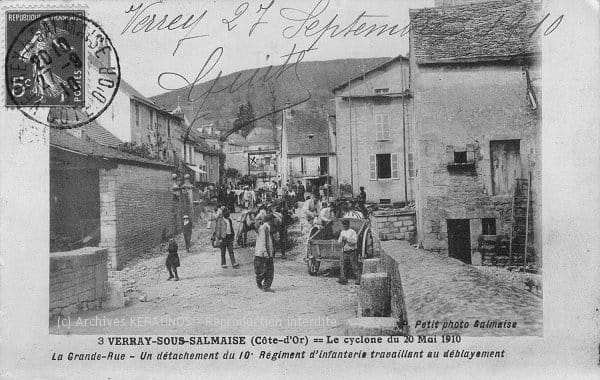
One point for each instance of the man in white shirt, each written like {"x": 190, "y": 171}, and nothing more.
{"x": 349, "y": 239}
{"x": 311, "y": 210}
{"x": 263, "y": 255}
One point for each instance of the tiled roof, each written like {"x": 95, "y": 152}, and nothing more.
{"x": 260, "y": 135}
{"x": 192, "y": 135}
{"x": 92, "y": 129}
{"x": 237, "y": 139}
{"x": 100, "y": 134}
{"x": 135, "y": 94}
{"x": 475, "y": 32}
{"x": 306, "y": 133}
{"x": 383, "y": 66}
{"x": 61, "y": 139}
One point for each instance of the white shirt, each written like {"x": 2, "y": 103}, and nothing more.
{"x": 264, "y": 242}
{"x": 351, "y": 239}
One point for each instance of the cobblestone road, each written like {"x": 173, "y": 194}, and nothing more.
{"x": 439, "y": 288}
{"x": 213, "y": 300}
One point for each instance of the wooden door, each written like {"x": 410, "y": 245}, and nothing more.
{"x": 505, "y": 159}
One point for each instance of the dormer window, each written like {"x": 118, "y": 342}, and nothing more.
{"x": 382, "y": 90}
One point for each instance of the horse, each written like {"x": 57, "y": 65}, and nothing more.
{"x": 250, "y": 220}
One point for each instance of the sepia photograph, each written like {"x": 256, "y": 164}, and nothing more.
{"x": 381, "y": 195}
{"x": 327, "y": 171}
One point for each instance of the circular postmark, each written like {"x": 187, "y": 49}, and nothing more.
{"x": 61, "y": 68}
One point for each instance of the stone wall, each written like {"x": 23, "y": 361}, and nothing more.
{"x": 136, "y": 210}
{"x": 77, "y": 280}
{"x": 390, "y": 225}
{"x": 464, "y": 107}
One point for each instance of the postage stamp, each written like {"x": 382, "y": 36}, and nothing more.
{"x": 59, "y": 60}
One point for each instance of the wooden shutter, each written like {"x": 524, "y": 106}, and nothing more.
{"x": 378, "y": 123}
{"x": 372, "y": 167}
{"x": 394, "y": 161}
{"x": 385, "y": 127}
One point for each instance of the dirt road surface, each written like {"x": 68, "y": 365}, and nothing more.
{"x": 213, "y": 300}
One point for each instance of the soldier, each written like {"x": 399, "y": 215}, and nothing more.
{"x": 349, "y": 239}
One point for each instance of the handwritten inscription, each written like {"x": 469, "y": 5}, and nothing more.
{"x": 151, "y": 22}
{"x": 314, "y": 22}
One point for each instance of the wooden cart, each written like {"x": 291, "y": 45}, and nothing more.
{"x": 321, "y": 247}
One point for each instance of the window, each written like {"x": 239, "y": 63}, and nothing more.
{"x": 488, "y": 226}
{"x": 460, "y": 157}
{"x": 169, "y": 128}
{"x": 382, "y": 125}
{"x": 382, "y": 90}
{"x": 323, "y": 165}
{"x": 382, "y": 166}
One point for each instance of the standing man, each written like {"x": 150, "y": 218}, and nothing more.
{"x": 187, "y": 232}
{"x": 300, "y": 192}
{"x": 362, "y": 196}
{"x": 224, "y": 233}
{"x": 362, "y": 199}
{"x": 263, "y": 255}
{"x": 348, "y": 238}
{"x": 247, "y": 197}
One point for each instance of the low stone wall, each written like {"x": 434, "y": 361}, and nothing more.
{"x": 77, "y": 280}
{"x": 398, "y": 308}
{"x": 395, "y": 224}
{"x": 381, "y": 307}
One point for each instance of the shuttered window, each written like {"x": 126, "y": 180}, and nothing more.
{"x": 382, "y": 126}
{"x": 384, "y": 166}
{"x": 395, "y": 166}
{"x": 372, "y": 167}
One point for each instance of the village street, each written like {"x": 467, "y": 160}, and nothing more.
{"x": 211, "y": 300}
{"x": 440, "y": 288}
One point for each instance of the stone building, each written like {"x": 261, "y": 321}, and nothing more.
{"x": 307, "y": 148}
{"x": 373, "y": 127}
{"x": 100, "y": 196}
{"x": 477, "y": 99}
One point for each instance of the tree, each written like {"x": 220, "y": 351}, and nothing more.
{"x": 232, "y": 173}
{"x": 244, "y": 122}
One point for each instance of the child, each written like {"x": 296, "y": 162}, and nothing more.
{"x": 172, "y": 260}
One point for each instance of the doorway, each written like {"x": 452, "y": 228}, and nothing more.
{"x": 459, "y": 239}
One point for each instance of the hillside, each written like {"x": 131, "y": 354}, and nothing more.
{"x": 316, "y": 77}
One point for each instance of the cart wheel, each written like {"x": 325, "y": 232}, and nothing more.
{"x": 368, "y": 245}
{"x": 313, "y": 266}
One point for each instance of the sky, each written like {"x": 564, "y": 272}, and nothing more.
{"x": 218, "y": 32}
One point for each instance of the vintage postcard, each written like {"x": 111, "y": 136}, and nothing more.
{"x": 276, "y": 188}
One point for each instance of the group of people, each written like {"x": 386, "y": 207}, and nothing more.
{"x": 316, "y": 213}
{"x": 322, "y": 214}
